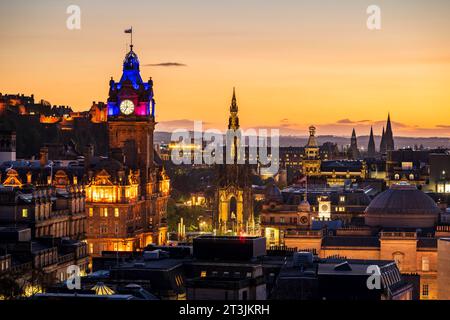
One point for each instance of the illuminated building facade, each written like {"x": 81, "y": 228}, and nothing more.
{"x": 42, "y": 225}
{"x": 401, "y": 224}
{"x": 234, "y": 199}
{"x": 277, "y": 216}
{"x": 335, "y": 172}
{"x": 98, "y": 112}
{"x": 311, "y": 161}
{"x": 300, "y": 209}
{"x": 440, "y": 173}
{"x": 127, "y": 193}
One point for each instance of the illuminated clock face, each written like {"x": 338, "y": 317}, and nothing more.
{"x": 324, "y": 207}
{"x": 127, "y": 107}
{"x": 303, "y": 220}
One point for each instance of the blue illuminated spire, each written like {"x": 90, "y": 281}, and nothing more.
{"x": 131, "y": 69}
{"x": 131, "y": 87}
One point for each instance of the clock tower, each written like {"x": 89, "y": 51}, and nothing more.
{"x": 131, "y": 118}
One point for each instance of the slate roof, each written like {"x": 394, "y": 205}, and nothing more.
{"x": 350, "y": 241}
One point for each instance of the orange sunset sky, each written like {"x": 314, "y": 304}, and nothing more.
{"x": 293, "y": 62}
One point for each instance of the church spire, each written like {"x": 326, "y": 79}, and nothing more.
{"x": 383, "y": 142}
{"x": 354, "y": 151}
{"x": 233, "y": 121}
{"x": 389, "y": 136}
{"x": 371, "y": 146}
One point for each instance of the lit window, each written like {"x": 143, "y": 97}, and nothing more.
{"x": 342, "y": 198}
{"x": 24, "y": 213}
{"x": 425, "y": 290}
{"x": 398, "y": 258}
{"x": 411, "y": 177}
{"x": 397, "y": 176}
{"x": 203, "y": 274}
{"x": 116, "y": 212}
{"x": 407, "y": 165}
{"x": 91, "y": 248}
{"x": 425, "y": 264}
{"x": 91, "y": 212}
{"x": 105, "y": 212}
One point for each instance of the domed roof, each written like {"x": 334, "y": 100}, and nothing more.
{"x": 273, "y": 193}
{"x": 402, "y": 206}
{"x": 131, "y": 60}
{"x": 403, "y": 199}
{"x": 131, "y": 69}
{"x": 304, "y": 206}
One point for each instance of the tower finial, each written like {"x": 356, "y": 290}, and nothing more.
{"x": 234, "y": 107}
{"x": 233, "y": 120}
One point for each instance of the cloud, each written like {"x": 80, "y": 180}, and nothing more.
{"x": 443, "y": 126}
{"x": 348, "y": 121}
{"x": 345, "y": 121}
{"x": 285, "y": 123}
{"x": 165, "y": 64}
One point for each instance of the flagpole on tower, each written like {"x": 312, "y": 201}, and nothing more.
{"x": 130, "y": 31}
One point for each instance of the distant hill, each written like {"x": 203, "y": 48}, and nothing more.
{"x": 297, "y": 141}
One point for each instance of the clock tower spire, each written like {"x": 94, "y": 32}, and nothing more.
{"x": 131, "y": 117}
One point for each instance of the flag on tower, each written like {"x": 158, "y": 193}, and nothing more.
{"x": 129, "y": 30}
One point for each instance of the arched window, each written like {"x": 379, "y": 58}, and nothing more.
{"x": 398, "y": 258}
{"x": 233, "y": 208}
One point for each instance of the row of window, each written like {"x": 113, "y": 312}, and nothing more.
{"x": 4, "y": 265}
{"x": 104, "y": 212}
{"x": 104, "y": 228}
{"x": 236, "y": 274}
{"x": 397, "y": 176}
{"x": 443, "y": 187}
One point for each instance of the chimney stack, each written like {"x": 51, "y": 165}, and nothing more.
{"x": 88, "y": 155}
{"x": 43, "y": 156}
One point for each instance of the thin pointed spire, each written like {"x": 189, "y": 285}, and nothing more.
{"x": 371, "y": 145}
{"x": 353, "y": 151}
{"x": 389, "y": 136}
{"x": 234, "y": 106}
{"x": 383, "y": 142}
{"x": 233, "y": 121}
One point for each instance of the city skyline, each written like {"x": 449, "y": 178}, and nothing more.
{"x": 308, "y": 68}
